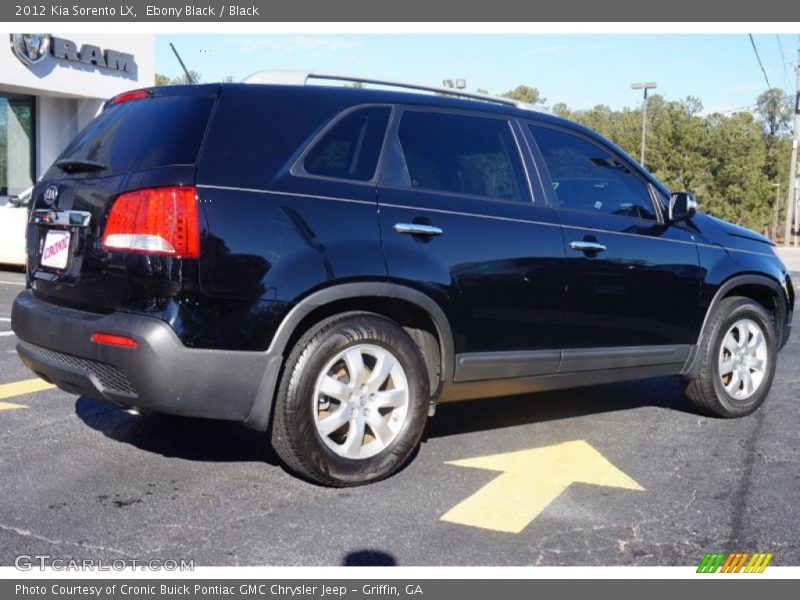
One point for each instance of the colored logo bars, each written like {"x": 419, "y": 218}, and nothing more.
{"x": 734, "y": 562}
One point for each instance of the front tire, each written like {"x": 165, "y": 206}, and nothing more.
{"x": 737, "y": 360}
{"x": 353, "y": 401}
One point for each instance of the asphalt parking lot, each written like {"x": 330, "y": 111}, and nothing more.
{"x": 81, "y": 479}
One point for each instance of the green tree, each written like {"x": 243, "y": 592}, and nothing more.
{"x": 677, "y": 151}
{"x": 739, "y": 189}
{"x": 618, "y": 126}
{"x": 161, "y": 79}
{"x": 562, "y": 110}
{"x": 774, "y": 109}
{"x": 525, "y": 93}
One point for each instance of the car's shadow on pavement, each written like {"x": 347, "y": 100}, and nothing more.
{"x": 180, "y": 437}
{"x": 497, "y": 413}
{"x": 224, "y": 441}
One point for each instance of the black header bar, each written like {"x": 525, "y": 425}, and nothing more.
{"x": 175, "y": 11}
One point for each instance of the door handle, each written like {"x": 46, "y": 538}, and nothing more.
{"x": 417, "y": 229}
{"x": 585, "y": 246}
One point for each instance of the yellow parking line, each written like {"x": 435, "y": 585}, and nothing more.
{"x": 26, "y": 386}
{"x": 10, "y": 406}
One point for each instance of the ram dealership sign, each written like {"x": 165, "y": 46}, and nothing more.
{"x": 33, "y": 48}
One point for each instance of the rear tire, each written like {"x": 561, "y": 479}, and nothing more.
{"x": 352, "y": 403}
{"x": 737, "y": 360}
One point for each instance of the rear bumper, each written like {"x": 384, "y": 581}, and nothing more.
{"x": 160, "y": 374}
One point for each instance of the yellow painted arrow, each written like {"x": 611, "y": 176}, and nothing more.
{"x": 530, "y": 481}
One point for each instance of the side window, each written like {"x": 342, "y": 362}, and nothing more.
{"x": 586, "y": 177}
{"x": 462, "y": 155}
{"x": 351, "y": 148}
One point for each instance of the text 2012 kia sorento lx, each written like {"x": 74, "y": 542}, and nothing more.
{"x": 326, "y": 263}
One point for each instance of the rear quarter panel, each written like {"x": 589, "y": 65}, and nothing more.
{"x": 274, "y": 237}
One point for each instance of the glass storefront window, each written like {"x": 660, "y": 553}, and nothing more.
{"x": 17, "y": 141}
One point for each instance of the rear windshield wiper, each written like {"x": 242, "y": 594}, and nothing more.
{"x": 77, "y": 165}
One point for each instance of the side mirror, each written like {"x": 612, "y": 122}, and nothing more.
{"x": 14, "y": 201}
{"x": 682, "y": 207}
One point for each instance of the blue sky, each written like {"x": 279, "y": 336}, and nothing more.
{"x": 581, "y": 70}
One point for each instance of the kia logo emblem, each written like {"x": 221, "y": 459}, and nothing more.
{"x": 51, "y": 195}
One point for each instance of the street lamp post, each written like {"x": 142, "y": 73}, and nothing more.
{"x": 650, "y": 85}
{"x": 796, "y": 209}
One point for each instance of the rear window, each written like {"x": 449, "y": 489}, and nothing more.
{"x": 144, "y": 134}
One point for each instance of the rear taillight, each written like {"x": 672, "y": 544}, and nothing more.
{"x": 112, "y": 339}
{"x": 155, "y": 221}
{"x": 128, "y": 96}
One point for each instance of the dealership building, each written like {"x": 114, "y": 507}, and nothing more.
{"x": 51, "y": 86}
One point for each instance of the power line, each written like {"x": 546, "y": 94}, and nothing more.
{"x": 783, "y": 60}
{"x": 753, "y": 42}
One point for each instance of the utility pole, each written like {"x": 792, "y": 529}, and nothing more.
{"x": 790, "y": 195}
{"x": 796, "y": 207}
{"x": 650, "y": 85}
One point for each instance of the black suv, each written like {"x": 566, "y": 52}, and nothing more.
{"x": 327, "y": 263}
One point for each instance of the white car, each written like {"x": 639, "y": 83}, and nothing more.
{"x": 13, "y": 223}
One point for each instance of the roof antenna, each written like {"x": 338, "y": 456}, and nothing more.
{"x": 183, "y": 66}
